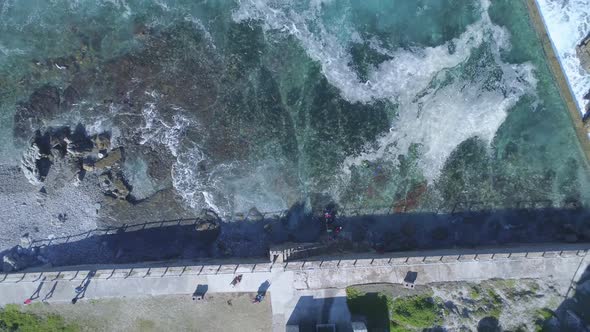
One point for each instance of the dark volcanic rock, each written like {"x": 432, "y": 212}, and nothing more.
{"x": 114, "y": 185}
{"x": 70, "y": 96}
{"x": 163, "y": 205}
{"x": 43, "y": 104}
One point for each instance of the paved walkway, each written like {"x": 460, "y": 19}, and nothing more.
{"x": 296, "y": 291}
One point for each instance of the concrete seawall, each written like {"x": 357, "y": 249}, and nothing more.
{"x": 559, "y": 76}
{"x": 439, "y": 265}
{"x": 289, "y": 281}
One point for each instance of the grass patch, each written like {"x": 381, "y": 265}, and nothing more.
{"x": 420, "y": 311}
{"x": 395, "y": 327}
{"x": 475, "y": 292}
{"x": 542, "y": 315}
{"x": 12, "y": 319}
{"x": 373, "y": 306}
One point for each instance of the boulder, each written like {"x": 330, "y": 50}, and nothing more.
{"x": 9, "y": 263}
{"x": 26, "y": 240}
{"x": 43, "y": 104}
{"x": 87, "y": 166}
{"x": 207, "y": 225}
{"x": 255, "y": 215}
{"x": 70, "y": 96}
{"x": 101, "y": 142}
{"x": 77, "y": 148}
{"x": 120, "y": 188}
{"x": 35, "y": 165}
{"x": 110, "y": 160}
{"x": 113, "y": 185}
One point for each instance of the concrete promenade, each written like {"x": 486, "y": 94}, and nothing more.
{"x": 290, "y": 281}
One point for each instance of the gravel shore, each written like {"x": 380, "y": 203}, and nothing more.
{"x": 58, "y": 208}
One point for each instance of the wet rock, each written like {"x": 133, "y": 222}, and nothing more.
{"x": 207, "y": 225}
{"x": 209, "y": 215}
{"x": 35, "y": 165}
{"x": 88, "y": 166}
{"x": 10, "y": 264}
{"x": 101, "y": 142}
{"x": 255, "y": 215}
{"x": 78, "y": 148}
{"x": 110, "y": 160}
{"x": 79, "y": 177}
{"x": 71, "y": 96}
{"x": 113, "y": 185}
{"x": 43, "y": 104}
{"x": 26, "y": 240}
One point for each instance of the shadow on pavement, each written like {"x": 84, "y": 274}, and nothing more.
{"x": 197, "y": 239}
{"x": 309, "y": 312}
{"x": 573, "y": 314}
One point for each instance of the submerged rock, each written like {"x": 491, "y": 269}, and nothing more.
{"x": 43, "y": 104}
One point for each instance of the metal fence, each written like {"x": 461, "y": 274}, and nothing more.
{"x": 366, "y": 261}
{"x": 345, "y": 211}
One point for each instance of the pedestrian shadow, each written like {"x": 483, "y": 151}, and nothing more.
{"x": 81, "y": 289}
{"x": 49, "y": 294}
{"x": 263, "y": 288}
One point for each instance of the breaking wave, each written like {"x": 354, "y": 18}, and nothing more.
{"x": 438, "y": 108}
{"x": 568, "y": 23}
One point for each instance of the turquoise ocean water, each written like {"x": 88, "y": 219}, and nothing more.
{"x": 416, "y": 105}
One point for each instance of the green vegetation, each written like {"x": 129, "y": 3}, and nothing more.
{"x": 417, "y": 311}
{"x": 373, "y": 306}
{"x": 13, "y": 320}
{"x": 494, "y": 304}
{"x": 395, "y": 327}
{"x": 400, "y": 315}
{"x": 543, "y": 315}
{"x": 475, "y": 292}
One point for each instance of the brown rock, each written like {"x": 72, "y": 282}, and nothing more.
{"x": 113, "y": 185}
{"x": 120, "y": 188}
{"x": 88, "y": 167}
{"x": 101, "y": 142}
{"x": 207, "y": 225}
{"x": 110, "y": 160}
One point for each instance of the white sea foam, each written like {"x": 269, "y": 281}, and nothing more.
{"x": 228, "y": 187}
{"x": 225, "y": 187}
{"x": 438, "y": 119}
{"x": 568, "y": 22}
{"x": 163, "y": 131}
